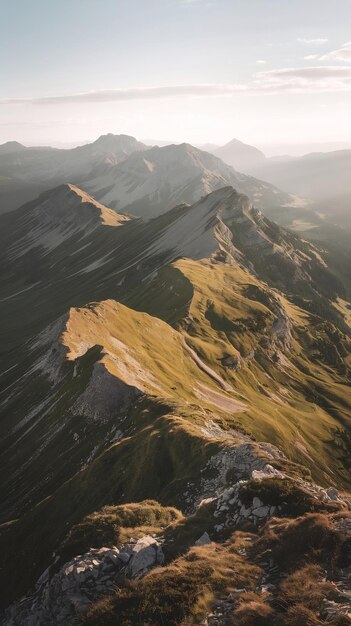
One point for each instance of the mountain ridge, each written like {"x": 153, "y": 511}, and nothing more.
{"x": 200, "y": 358}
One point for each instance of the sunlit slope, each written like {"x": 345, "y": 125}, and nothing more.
{"x": 167, "y": 404}
{"x": 289, "y": 367}
{"x": 162, "y": 360}
{"x": 274, "y": 354}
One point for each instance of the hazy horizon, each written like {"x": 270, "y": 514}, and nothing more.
{"x": 256, "y": 72}
{"x": 270, "y": 150}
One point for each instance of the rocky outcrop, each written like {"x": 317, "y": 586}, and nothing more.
{"x": 60, "y": 597}
{"x": 105, "y": 396}
{"x": 228, "y": 466}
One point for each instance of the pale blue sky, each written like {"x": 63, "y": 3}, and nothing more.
{"x": 265, "y": 71}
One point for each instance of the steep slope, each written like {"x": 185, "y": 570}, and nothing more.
{"x": 149, "y": 183}
{"x": 241, "y": 156}
{"x": 215, "y": 345}
{"x": 24, "y": 172}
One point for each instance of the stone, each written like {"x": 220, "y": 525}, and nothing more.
{"x": 261, "y": 512}
{"x": 223, "y": 508}
{"x": 145, "y": 556}
{"x": 108, "y": 567}
{"x": 113, "y": 557}
{"x": 124, "y": 557}
{"x": 244, "y": 512}
{"x": 256, "y": 503}
{"x": 219, "y": 528}
{"x": 103, "y": 550}
{"x": 203, "y": 540}
{"x": 333, "y": 494}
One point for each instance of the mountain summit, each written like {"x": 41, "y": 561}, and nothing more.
{"x": 241, "y": 156}
{"x": 152, "y": 181}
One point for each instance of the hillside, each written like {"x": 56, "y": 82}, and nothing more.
{"x": 149, "y": 183}
{"x": 25, "y": 172}
{"x": 176, "y": 395}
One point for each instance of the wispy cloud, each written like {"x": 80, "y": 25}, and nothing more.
{"x": 142, "y": 93}
{"x": 305, "y": 79}
{"x": 261, "y": 62}
{"x": 319, "y": 41}
{"x": 341, "y": 54}
{"x": 283, "y": 80}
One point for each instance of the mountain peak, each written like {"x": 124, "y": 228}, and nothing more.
{"x": 11, "y": 146}
{"x": 68, "y": 204}
{"x": 240, "y": 155}
{"x": 119, "y": 142}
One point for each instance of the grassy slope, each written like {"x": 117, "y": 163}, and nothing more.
{"x": 304, "y": 408}
{"x": 293, "y": 397}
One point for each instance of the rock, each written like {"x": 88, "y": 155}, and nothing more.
{"x": 223, "y": 508}
{"x": 203, "y": 540}
{"x": 146, "y": 554}
{"x": 268, "y": 471}
{"x": 256, "y": 503}
{"x": 206, "y": 501}
{"x": 112, "y": 557}
{"x": 244, "y": 512}
{"x": 261, "y": 512}
{"x": 333, "y": 494}
{"x": 124, "y": 557}
{"x": 219, "y": 528}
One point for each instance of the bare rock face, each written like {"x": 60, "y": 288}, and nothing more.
{"x": 229, "y": 466}
{"x": 146, "y": 554}
{"x": 104, "y": 396}
{"x": 232, "y": 510}
{"x": 59, "y": 598}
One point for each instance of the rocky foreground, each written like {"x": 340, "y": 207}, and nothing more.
{"x": 273, "y": 549}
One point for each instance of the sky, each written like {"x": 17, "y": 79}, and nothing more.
{"x": 273, "y": 73}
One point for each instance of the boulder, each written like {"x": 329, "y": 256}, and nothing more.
{"x": 146, "y": 554}
{"x": 203, "y": 540}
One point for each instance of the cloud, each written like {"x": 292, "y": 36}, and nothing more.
{"x": 304, "y": 79}
{"x": 341, "y": 54}
{"x": 311, "y": 57}
{"x": 284, "y": 80}
{"x": 318, "y": 41}
{"x": 142, "y": 93}
{"x": 261, "y": 62}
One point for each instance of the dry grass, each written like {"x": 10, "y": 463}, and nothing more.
{"x": 299, "y": 615}
{"x": 306, "y": 587}
{"x": 180, "y": 594}
{"x": 253, "y": 611}
{"x": 115, "y": 524}
{"x": 311, "y": 538}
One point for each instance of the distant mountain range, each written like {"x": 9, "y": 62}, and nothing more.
{"x": 25, "y": 172}
{"x": 132, "y": 177}
{"x": 127, "y": 175}
{"x": 323, "y": 178}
